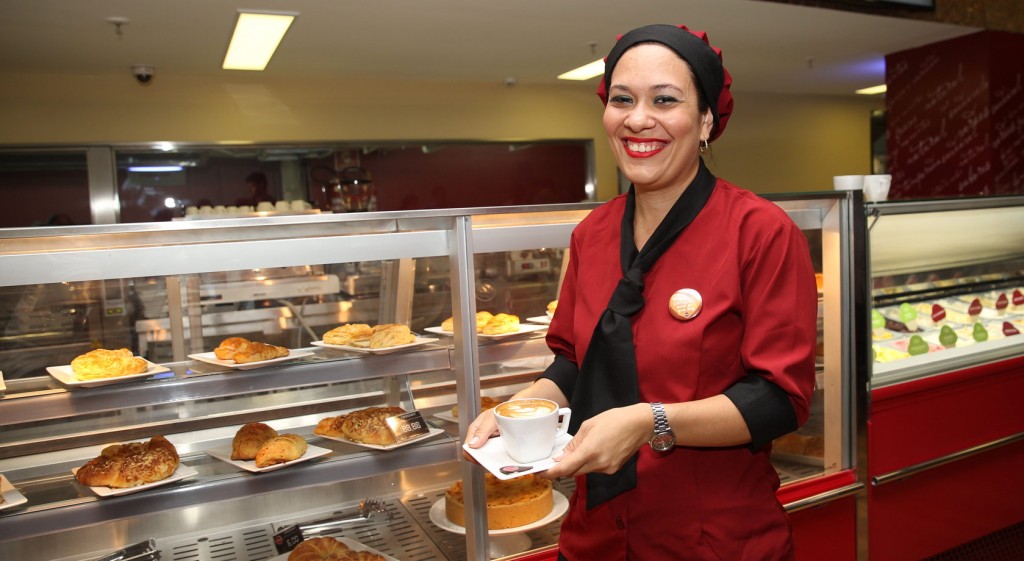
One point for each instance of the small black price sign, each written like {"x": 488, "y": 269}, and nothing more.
{"x": 287, "y": 538}
{"x": 408, "y": 426}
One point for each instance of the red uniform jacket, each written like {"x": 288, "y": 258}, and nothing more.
{"x": 751, "y": 265}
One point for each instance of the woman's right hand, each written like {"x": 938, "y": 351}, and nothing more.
{"x": 482, "y": 428}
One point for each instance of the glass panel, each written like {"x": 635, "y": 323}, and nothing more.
{"x": 156, "y": 185}
{"x": 44, "y": 188}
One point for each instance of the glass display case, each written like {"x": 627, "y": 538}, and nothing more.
{"x": 172, "y": 292}
{"x": 947, "y": 285}
{"x": 945, "y": 433}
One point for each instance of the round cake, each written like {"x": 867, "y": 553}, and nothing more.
{"x": 510, "y": 504}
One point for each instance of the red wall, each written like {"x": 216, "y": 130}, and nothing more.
{"x": 956, "y": 117}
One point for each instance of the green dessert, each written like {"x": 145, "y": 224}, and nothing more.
{"x": 908, "y": 315}
{"x": 947, "y": 337}
{"x": 980, "y": 333}
{"x": 917, "y": 346}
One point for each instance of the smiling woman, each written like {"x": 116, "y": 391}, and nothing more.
{"x": 719, "y": 363}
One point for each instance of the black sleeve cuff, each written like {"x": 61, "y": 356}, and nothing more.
{"x": 563, "y": 373}
{"x": 765, "y": 407}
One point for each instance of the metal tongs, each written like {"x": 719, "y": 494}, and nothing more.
{"x": 142, "y": 551}
{"x": 368, "y": 510}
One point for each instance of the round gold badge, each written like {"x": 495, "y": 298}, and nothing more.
{"x": 685, "y": 304}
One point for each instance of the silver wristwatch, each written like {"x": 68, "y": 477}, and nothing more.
{"x": 663, "y": 439}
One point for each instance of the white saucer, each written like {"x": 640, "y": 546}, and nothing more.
{"x": 12, "y": 496}
{"x": 523, "y": 328}
{"x": 492, "y": 457}
{"x": 211, "y": 358}
{"x": 416, "y": 343}
{"x": 224, "y": 455}
{"x": 181, "y": 472}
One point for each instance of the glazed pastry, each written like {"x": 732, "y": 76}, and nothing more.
{"x": 481, "y": 320}
{"x": 391, "y": 336}
{"x": 249, "y": 439}
{"x": 131, "y": 464}
{"x": 228, "y": 347}
{"x": 329, "y": 549}
{"x": 256, "y": 352}
{"x": 103, "y": 363}
{"x": 552, "y": 306}
{"x": 448, "y": 325}
{"x": 281, "y": 449}
{"x": 502, "y": 324}
{"x": 318, "y": 549}
{"x": 345, "y": 334}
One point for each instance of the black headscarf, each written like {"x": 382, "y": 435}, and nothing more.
{"x": 710, "y": 75}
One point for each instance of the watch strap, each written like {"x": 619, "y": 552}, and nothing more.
{"x": 660, "y": 418}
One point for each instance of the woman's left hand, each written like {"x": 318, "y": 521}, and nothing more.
{"x": 604, "y": 442}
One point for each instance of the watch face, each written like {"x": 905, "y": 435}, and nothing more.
{"x": 663, "y": 442}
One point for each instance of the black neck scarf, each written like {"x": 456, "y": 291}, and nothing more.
{"x": 608, "y": 374}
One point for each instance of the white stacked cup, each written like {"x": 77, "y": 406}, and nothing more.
{"x": 876, "y": 187}
{"x": 848, "y": 182}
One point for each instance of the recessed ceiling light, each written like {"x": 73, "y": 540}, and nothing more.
{"x": 585, "y": 72}
{"x": 872, "y": 90}
{"x": 255, "y": 39}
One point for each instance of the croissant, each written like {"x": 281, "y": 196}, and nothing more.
{"x": 256, "y": 352}
{"x": 103, "y": 363}
{"x": 280, "y": 449}
{"x": 131, "y": 464}
{"x": 228, "y": 347}
{"x": 249, "y": 439}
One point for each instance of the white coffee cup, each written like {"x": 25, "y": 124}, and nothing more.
{"x": 876, "y": 187}
{"x": 848, "y": 182}
{"x": 529, "y": 427}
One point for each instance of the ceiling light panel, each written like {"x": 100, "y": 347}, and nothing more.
{"x": 256, "y": 37}
{"x": 585, "y": 72}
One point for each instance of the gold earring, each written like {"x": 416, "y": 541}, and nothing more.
{"x": 704, "y": 146}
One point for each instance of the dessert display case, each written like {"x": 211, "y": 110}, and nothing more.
{"x": 945, "y": 427}
{"x": 171, "y": 292}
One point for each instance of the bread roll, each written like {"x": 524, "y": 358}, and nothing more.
{"x": 502, "y": 324}
{"x": 280, "y": 449}
{"x": 131, "y": 464}
{"x": 256, "y": 352}
{"x": 103, "y": 363}
{"x": 228, "y": 347}
{"x": 249, "y": 439}
{"x": 345, "y": 334}
{"x": 552, "y": 306}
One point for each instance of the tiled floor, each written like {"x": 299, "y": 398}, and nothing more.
{"x": 1005, "y": 545}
